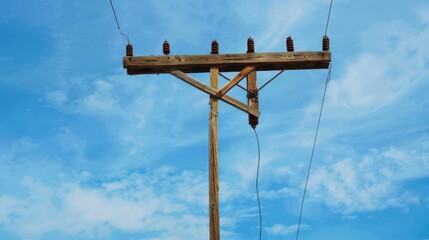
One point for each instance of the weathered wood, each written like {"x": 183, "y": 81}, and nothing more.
{"x": 210, "y": 90}
{"x": 213, "y": 159}
{"x": 247, "y": 65}
{"x": 193, "y": 82}
{"x": 235, "y": 80}
{"x": 252, "y": 99}
{"x": 227, "y": 62}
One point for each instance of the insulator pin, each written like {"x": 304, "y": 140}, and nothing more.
{"x": 129, "y": 50}
{"x": 289, "y": 44}
{"x": 215, "y": 47}
{"x": 325, "y": 43}
{"x": 166, "y": 47}
{"x": 250, "y": 45}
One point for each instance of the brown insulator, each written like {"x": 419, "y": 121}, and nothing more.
{"x": 215, "y": 47}
{"x": 289, "y": 44}
{"x": 253, "y": 121}
{"x": 129, "y": 50}
{"x": 325, "y": 43}
{"x": 250, "y": 45}
{"x": 166, "y": 47}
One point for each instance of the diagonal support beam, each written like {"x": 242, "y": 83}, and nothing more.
{"x": 235, "y": 80}
{"x": 210, "y": 90}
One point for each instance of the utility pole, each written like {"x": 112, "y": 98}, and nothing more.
{"x": 247, "y": 65}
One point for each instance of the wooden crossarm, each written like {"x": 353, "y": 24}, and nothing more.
{"x": 227, "y": 62}
{"x": 210, "y": 90}
{"x": 235, "y": 80}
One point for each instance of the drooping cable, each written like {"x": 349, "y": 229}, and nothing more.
{"x": 329, "y": 17}
{"x": 257, "y": 184}
{"x": 125, "y": 36}
{"x": 328, "y": 78}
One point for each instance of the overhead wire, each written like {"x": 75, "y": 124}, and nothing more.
{"x": 328, "y": 78}
{"x": 257, "y": 184}
{"x": 125, "y": 36}
{"x": 329, "y": 17}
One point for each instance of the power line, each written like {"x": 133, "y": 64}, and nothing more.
{"x": 125, "y": 36}
{"x": 257, "y": 185}
{"x": 328, "y": 78}
{"x": 329, "y": 17}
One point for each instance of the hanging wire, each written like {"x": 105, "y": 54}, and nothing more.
{"x": 329, "y": 17}
{"x": 278, "y": 74}
{"x": 328, "y": 78}
{"x": 257, "y": 185}
{"x": 125, "y": 36}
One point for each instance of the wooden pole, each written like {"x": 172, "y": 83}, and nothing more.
{"x": 213, "y": 159}
{"x": 253, "y": 99}
{"x": 252, "y": 87}
{"x": 247, "y": 64}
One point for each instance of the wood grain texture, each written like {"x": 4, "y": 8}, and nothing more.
{"x": 228, "y": 86}
{"x": 212, "y": 92}
{"x": 227, "y": 62}
{"x": 252, "y": 99}
{"x": 213, "y": 159}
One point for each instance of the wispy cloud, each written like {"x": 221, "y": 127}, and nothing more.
{"x": 283, "y": 230}
{"x": 384, "y": 73}
{"x": 370, "y": 183}
{"x": 139, "y": 203}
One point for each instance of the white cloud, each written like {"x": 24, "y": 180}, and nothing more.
{"x": 136, "y": 203}
{"x": 57, "y": 98}
{"x": 423, "y": 13}
{"x": 102, "y": 100}
{"x": 390, "y": 69}
{"x": 280, "y": 193}
{"x": 394, "y": 63}
{"x": 71, "y": 143}
{"x": 273, "y": 21}
{"x": 175, "y": 15}
{"x": 283, "y": 230}
{"x": 370, "y": 183}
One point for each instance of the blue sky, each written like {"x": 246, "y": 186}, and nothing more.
{"x": 87, "y": 152}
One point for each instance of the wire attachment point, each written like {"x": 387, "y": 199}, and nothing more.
{"x": 129, "y": 50}
{"x": 325, "y": 44}
{"x": 125, "y": 36}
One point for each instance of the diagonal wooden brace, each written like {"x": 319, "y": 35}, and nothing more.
{"x": 235, "y": 80}
{"x": 213, "y": 92}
